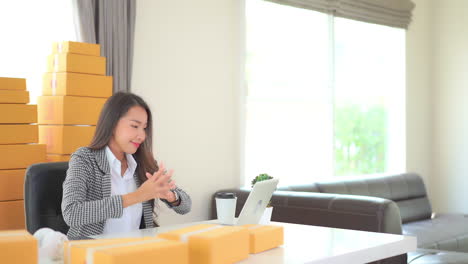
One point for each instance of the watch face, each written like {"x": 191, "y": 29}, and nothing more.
{"x": 176, "y": 195}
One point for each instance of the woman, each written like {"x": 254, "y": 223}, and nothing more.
{"x": 111, "y": 184}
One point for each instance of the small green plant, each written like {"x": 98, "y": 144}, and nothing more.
{"x": 259, "y": 178}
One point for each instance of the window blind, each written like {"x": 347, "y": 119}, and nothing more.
{"x": 393, "y": 13}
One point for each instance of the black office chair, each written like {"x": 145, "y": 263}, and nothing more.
{"x": 43, "y": 196}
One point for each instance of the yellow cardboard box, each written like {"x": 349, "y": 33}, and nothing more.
{"x": 213, "y": 244}
{"x": 69, "y": 110}
{"x": 57, "y": 158}
{"x": 21, "y": 156}
{"x": 77, "y": 84}
{"x": 12, "y": 184}
{"x": 18, "y": 246}
{"x": 12, "y": 83}
{"x": 264, "y": 237}
{"x": 14, "y": 97}
{"x": 142, "y": 250}
{"x": 12, "y": 213}
{"x": 76, "y": 47}
{"x": 17, "y": 134}
{"x": 74, "y": 251}
{"x": 69, "y": 62}
{"x": 61, "y": 139}
{"x": 18, "y": 114}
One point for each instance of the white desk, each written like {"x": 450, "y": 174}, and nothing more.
{"x": 313, "y": 244}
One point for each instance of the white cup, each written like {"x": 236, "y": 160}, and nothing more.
{"x": 226, "y": 207}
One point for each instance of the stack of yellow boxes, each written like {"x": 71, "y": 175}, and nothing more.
{"x": 74, "y": 91}
{"x": 197, "y": 244}
{"x": 18, "y": 149}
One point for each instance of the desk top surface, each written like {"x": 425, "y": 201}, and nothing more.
{"x": 310, "y": 244}
{"x": 314, "y": 244}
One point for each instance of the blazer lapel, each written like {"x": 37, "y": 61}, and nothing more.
{"x": 147, "y": 208}
{"x": 103, "y": 164}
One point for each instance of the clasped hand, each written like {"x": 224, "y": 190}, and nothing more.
{"x": 159, "y": 185}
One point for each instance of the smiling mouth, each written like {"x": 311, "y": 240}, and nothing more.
{"x": 136, "y": 144}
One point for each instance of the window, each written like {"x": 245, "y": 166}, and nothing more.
{"x": 28, "y": 30}
{"x": 325, "y": 95}
{"x": 369, "y": 98}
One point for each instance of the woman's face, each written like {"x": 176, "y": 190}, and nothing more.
{"x": 130, "y": 131}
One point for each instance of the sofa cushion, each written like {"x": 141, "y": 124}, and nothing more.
{"x": 407, "y": 190}
{"x": 331, "y": 210}
{"x": 414, "y": 209}
{"x": 443, "y": 232}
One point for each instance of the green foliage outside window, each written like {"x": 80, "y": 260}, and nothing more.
{"x": 360, "y": 139}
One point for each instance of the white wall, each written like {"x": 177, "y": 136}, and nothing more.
{"x": 186, "y": 66}
{"x": 437, "y": 124}
{"x": 419, "y": 110}
{"x": 437, "y": 117}
{"x": 451, "y": 105}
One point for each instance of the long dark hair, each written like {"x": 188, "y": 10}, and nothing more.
{"x": 115, "y": 108}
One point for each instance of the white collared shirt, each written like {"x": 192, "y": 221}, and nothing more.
{"x": 121, "y": 185}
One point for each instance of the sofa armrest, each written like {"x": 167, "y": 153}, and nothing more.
{"x": 331, "y": 210}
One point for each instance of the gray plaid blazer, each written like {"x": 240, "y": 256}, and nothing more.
{"x": 87, "y": 202}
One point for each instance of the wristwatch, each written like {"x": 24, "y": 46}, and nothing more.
{"x": 176, "y": 196}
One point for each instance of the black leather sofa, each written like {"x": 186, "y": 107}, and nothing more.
{"x": 391, "y": 204}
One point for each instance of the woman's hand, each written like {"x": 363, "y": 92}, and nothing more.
{"x": 158, "y": 185}
{"x": 165, "y": 193}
